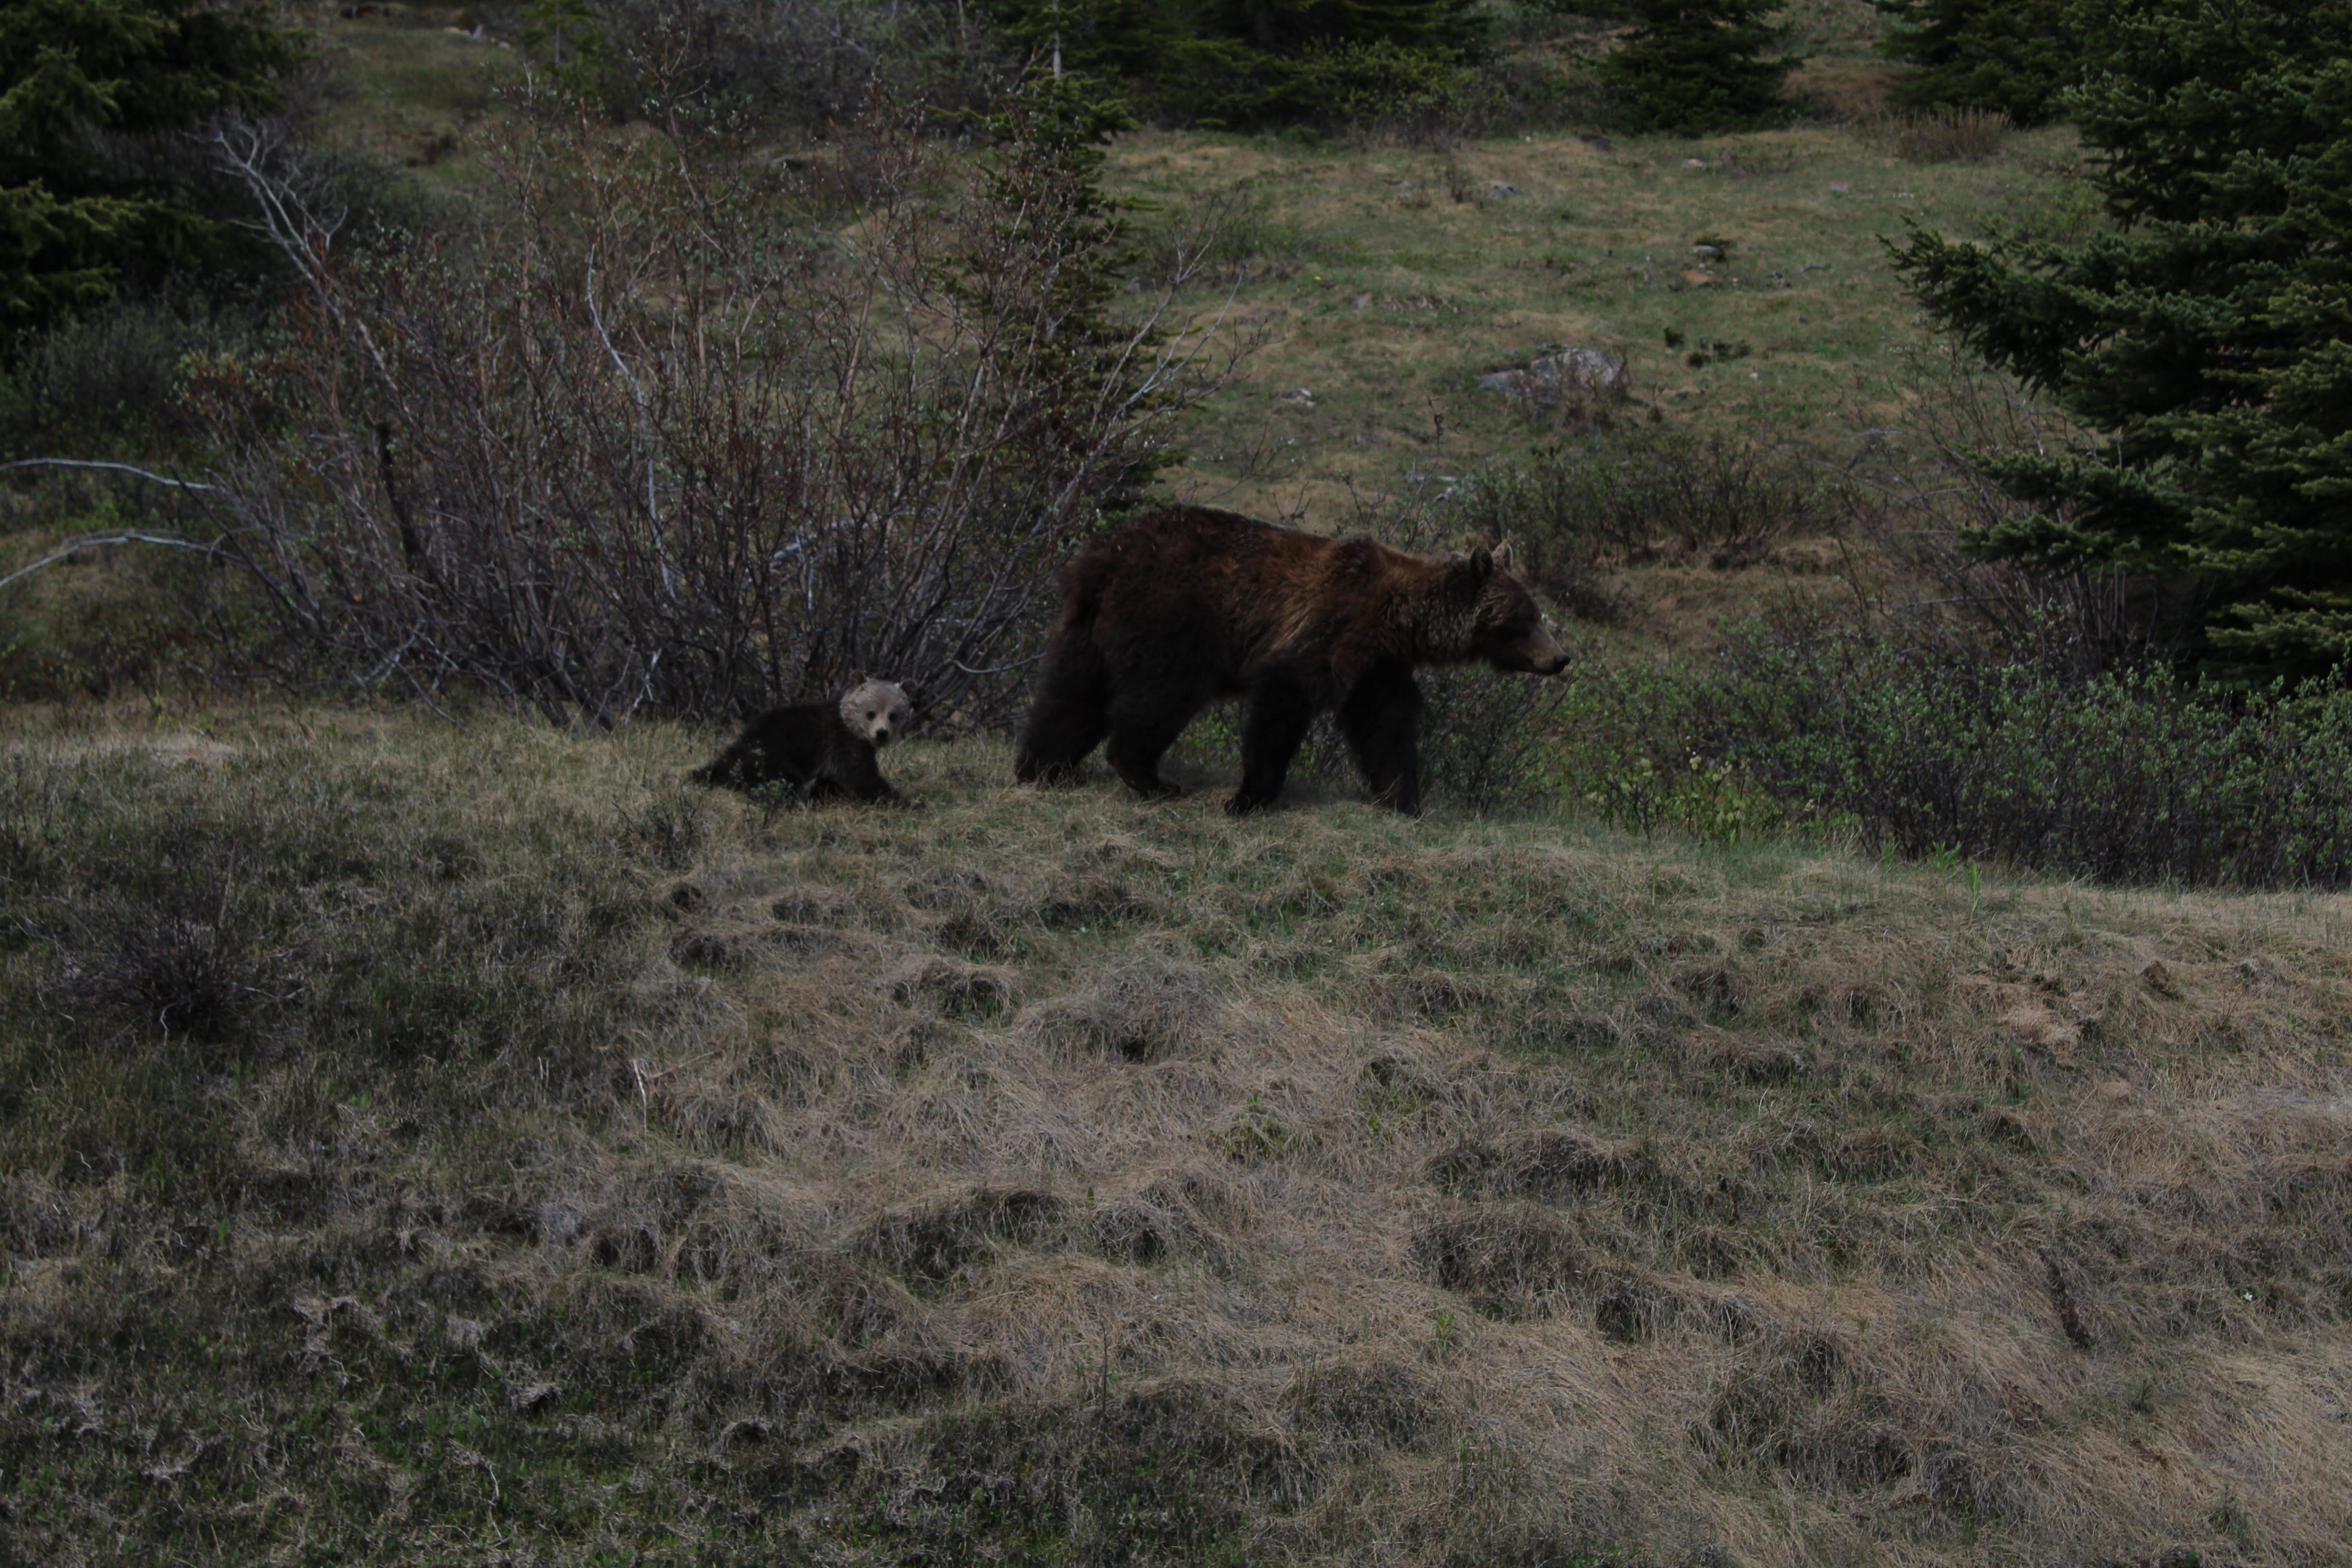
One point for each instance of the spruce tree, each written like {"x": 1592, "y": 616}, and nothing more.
{"x": 2206, "y": 339}
{"x": 83, "y": 82}
{"x": 1696, "y": 67}
{"x": 2015, "y": 56}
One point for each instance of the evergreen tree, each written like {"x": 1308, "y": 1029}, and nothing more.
{"x": 2015, "y": 56}
{"x": 83, "y": 84}
{"x": 1045, "y": 173}
{"x": 2210, "y": 339}
{"x": 1697, "y": 66}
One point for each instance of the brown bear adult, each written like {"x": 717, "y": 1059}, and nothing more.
{"x": 826, "y": 748}
{"x": 1186, "y": 604}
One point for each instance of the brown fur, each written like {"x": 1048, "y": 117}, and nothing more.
{"x": 1187, "y": 604}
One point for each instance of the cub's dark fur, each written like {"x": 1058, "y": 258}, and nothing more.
{"x": 824, "y": 748}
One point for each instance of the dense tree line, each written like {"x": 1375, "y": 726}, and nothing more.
{"x": 94, "y": 191}
{"x": 2206, "y": 339}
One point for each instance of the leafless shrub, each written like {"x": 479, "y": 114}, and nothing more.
{"x": 1228, "y": 235}
{"x": 1461, "y": 184}
{"x": 1920, "y": 489}
{"x": 652, "y": 436}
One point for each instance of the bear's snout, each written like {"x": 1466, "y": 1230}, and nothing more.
{"x": 882, "y": 734}
{"x": 1538, "y": 655}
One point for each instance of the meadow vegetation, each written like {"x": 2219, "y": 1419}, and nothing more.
{"x": 425, "y": 1144}
{"x": 1850, "y": 1073}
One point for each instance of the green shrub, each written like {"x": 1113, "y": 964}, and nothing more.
{"x": 1634, "y": 495}
{"x": 1931, "y": 745}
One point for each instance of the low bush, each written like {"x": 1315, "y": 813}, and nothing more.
{"x": 1930, "y": 744}
{"x": 1222, "y": 238}
{"x": 1630, "y": 496}
{"x": 1944, "y": 135}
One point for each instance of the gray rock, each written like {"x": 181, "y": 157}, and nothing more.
{"x": 1500, "y": 192}
{"x": 1562, "y": 376}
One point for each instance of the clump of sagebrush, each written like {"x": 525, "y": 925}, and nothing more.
{"x": 1056, "y": 1177}
{"x": 1935, "y": 743}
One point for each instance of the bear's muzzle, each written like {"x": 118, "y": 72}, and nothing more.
{"x": 1538, "y": 655}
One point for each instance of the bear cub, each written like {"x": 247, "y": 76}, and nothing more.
{"x": 825, "y": 749}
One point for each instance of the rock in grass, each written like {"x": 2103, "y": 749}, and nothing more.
{"x": 1561, "y": 376}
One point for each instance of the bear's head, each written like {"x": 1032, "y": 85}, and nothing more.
{"x": 876, "y": 709}
{"x": 1506, "y": 631}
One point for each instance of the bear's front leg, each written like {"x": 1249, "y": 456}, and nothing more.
{"x": 1143, "y": 724}
{"x": 1381, "y": 719}
{"x": 860, "y": 776}
{"x": 1279, "y": 713}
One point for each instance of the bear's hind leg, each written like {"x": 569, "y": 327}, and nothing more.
{"x": 1380, "y": 719}
{"x": 1279, "y": 713}
{"x": 744, "y": 765}
{"x": 1070, "y": 714}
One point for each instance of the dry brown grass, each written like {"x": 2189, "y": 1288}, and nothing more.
{"x": 1059, "y": 1178}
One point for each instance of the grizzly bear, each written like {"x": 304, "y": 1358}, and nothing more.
{"x": 1187, "y": 604}
{"x": 824, "y": 748}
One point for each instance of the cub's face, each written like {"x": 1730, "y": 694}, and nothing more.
{"x": 1511, "y": 633}
{"x": 875, "y": 710}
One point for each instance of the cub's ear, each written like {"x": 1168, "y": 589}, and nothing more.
{"x": 1482, "y": 563}
{"x": 1506, "y": 558}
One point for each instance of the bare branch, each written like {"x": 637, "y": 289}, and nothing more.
{"x": 115, "y": 467}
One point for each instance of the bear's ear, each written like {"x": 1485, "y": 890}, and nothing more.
{"x": 1506, "y": 558}
{"x": 1482, "y": 563}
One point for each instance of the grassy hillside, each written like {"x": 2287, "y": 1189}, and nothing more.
{"x": 437, "y": 1145}
{"x": 1382, "y": 282}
